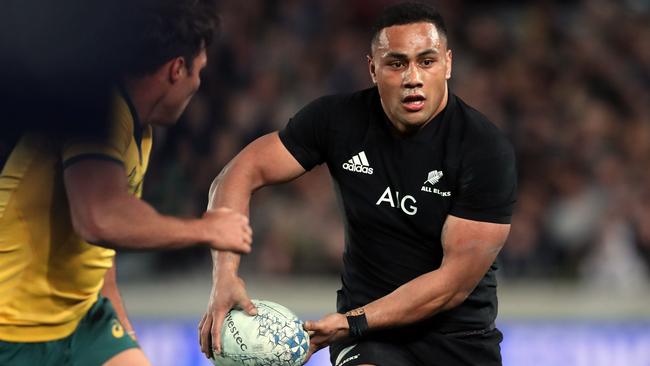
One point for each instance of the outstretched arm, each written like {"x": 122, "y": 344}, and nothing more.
{"x": 470, "y": 247}
{"x": 264, "y": 162}
{"x": 104, "y": 213}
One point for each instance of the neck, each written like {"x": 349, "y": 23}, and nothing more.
{"x": 144, "y": 101}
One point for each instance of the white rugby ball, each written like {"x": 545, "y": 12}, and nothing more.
{"x": 273, "y": 337}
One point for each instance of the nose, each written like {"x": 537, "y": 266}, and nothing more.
{"x": 412, "y": 77}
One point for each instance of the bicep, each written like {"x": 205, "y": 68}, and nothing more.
{"x": 263, "y": 162}
{"x": 91, "y": 185}
{"x": 269, "y": 161}
{"x": 470, "y": 247}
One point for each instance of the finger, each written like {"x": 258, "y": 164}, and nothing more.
{"x": 201, "y": 322}
{"x": 309, "y": 353}
{"x": 204, "y": 336}
{"x": 310, "y": 325}
{"x": 247, "y": 241}
{"x": 240, "y": 247}
{"x": 248, "y": 306}
{"x": 317, "y": 346}
{"x": 217, "y": 323}
{"x": 322, "y": 344}
{"x": 312, "y": 349}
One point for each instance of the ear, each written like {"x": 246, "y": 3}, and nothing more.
{"x": 177, "y": 69}
{"x": 371, "y": 69}
{"x": 448, "y": 56}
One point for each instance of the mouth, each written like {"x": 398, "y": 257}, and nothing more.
{"x": 413, "y": 102}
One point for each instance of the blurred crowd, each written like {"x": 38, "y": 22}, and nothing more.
{"x": 567, "y": 81}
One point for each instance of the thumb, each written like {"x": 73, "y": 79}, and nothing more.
{"x": 309, "y": 325}
{"x": 249, "y": 307}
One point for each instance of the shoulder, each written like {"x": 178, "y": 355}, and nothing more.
{"x": 480, "y": 137}
{"x": 345, "y": 102}
{"x": 337, "y": 113}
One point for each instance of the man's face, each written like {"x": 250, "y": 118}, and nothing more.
{"x": 181, "y": 90}
{"x": 411, "y": 65}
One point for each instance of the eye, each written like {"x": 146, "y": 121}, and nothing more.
{"x": 427, "y": 62}
{"x": 396, "y": 64}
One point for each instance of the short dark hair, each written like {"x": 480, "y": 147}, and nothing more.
{"x": 165, "y": 29}
{"x": 408, "y": 13}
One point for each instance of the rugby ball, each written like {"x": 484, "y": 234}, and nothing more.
{"x": 273, "y": 337}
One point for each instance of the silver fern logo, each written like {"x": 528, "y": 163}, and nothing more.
{"x": 433, "y": 177}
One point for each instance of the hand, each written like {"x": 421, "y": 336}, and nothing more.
{"x": 228, "y": 230}
{"x": 322, "y": 333}
{"x": 228, "y": 291}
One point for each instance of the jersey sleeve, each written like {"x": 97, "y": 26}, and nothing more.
{"x": 305, "y": 136}
{"x": 487, "y": 187}
{"x": 110, "y": 146}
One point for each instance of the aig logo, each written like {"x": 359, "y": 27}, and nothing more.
{"x": 406, "y": 203}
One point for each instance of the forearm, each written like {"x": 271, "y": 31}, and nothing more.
{"x": 416, "y": 300}
{"x": 224, "y": 265}
{"x": 227, "y": 263}
{"x": 130, "y": 223}
{"x": 263, "y": 162}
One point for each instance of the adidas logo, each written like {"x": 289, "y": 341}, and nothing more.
{"x": 358, "y": 163}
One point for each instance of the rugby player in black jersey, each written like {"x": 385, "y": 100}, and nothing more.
{"x": 427, "y": 186}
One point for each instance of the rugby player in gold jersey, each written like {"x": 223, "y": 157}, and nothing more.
{"x": 67, "y": 203}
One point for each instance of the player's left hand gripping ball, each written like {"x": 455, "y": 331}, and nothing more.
{"x": 273, "y": 337}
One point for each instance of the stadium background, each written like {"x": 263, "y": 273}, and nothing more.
{"x": 567, "y": 82}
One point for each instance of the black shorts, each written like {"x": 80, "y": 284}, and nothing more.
{"x": 460, "y": 349}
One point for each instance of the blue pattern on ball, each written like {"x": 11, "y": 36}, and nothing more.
{"x": 277, "y": 331}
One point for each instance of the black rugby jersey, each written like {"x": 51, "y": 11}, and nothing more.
{"x": 396, "y": 193}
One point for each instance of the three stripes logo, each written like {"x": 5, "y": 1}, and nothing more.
{"x": 359, "y": 163}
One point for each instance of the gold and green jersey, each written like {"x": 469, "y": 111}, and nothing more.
{"x": 49, "y": 276}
